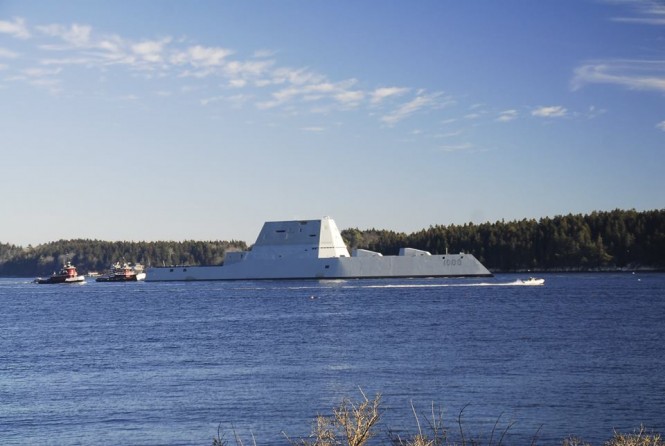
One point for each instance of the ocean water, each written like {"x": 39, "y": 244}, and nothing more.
{"x": 170, "y": 363}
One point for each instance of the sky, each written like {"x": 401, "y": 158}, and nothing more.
{"x": 200, "y": 120}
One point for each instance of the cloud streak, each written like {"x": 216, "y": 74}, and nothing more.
{"x": 74, "y": 36}
{"x": 553, "y": 111}
{"x": 7, "y": 54}
{"x": 378, "y": 95}
{"x": 274, "y": 86}
{"x": 632, "y": 74}
{"x": 465, "y": 146}
{"x": 647, "y": 12}
{"x": 16, "y": 28}
{"x": 422, "y": 101}
{"x": 217, "y": 76}
{"x": 507, "y": 116}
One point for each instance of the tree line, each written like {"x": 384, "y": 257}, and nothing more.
{"x": 97, "y": 255}
{"x": 596, "y": 241}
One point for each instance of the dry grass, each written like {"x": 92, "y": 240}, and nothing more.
{"x": 436, "y": 433}
{"x": 355, "y": 423}
{"x": 637, "y": 438}
{"x": 351, "y": 424}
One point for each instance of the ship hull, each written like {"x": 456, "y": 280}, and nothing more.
{"x": 58, "y": 280}
{"x": 121, "y": 278}
{"x": 449, "y": 265}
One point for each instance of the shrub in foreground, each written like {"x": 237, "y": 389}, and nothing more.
{"x": 354, "y": 423}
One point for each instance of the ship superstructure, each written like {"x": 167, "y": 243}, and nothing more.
{"x": 314, "y": 249}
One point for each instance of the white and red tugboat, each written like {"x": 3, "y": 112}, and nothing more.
{"x": 67, "y": 274}
{"x": 123, "y": 273}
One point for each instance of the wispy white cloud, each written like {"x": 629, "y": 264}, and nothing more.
{"x": 198, "y": 73}
{"x": 661, "y": 125}
{"x": 594, "y": 112}
{"x": 200, "y": 56}
{"x": 420, "y": 102}
{"x": 310, "y": 87}
{"x": 380, "y": 94}
{"x": 211, "y": 100}
{"x": 127, "y": 98}
{"x": 112, "y": 44}
{"x": 77, "y": 36}
{"x": 507, "y": 116}
{"x": 151, "y": 50}
{"x": 210, "y": 71}
{"x": 296, "y": 76}
{"x": 244, "y": 73}
{"x": 457, "y": 147}
{"x": 7, "y": 54}
{"x": 349, "y": 98}
{"x": 647, "y": 12}
{"x": 449, "y": 134}
{"x": 41, "y": 72}
{"x": 63, "y": 61}
{"x": 632, "y": 74}
{"x": 54, "y": 86}
{"x": 554, "y": 111}
{"x": 235, "y": 101}
{"x": 238, "y": 100}
{"x": 16, "y": 28}
{"x": 45, "y": 78}
{"x": 278, "y": 86}
{"x": 314, "y": 129}
{"x": 247, "y": 68}
{"x": 476, "y": 112}
{"x": 237, "y": 83}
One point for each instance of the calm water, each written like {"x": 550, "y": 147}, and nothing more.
{"x": 160, "y": 363}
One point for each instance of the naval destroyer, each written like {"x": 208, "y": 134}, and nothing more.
{"x": 314, "y": 249}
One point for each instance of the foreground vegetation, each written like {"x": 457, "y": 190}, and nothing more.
{"x": 599, "y": 241}
{"x": 356, "y": 423}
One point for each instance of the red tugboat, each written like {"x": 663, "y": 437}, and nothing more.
{"x": 67, "y": 274}
{"x": 123, "y": 273}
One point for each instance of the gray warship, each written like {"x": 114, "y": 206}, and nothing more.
{"x": 314, "y": 249}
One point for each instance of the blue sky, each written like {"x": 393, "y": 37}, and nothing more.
{"x": 175, "y": 120}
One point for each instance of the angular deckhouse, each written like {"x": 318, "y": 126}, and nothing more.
{"x": 314, "y": 249}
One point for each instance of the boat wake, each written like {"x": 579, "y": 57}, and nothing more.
{"x": 455, "y": 285}
{"x": 346, "y": 284}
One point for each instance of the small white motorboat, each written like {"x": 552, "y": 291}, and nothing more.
{"x": 533, "y": 281}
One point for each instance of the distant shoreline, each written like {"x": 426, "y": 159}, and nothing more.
{"x": 641, "y": 270}
{"x": 573, "y": 270}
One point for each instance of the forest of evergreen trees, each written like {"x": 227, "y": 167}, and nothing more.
{"x": 612, "y": 240}
{"x": 96, "y": 255}
{"x": 600, "y": 241}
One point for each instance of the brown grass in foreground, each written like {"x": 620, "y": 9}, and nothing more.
{"x": 354, "y": 423}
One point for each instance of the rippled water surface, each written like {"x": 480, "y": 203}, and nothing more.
{"x": 166, "y": 363}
